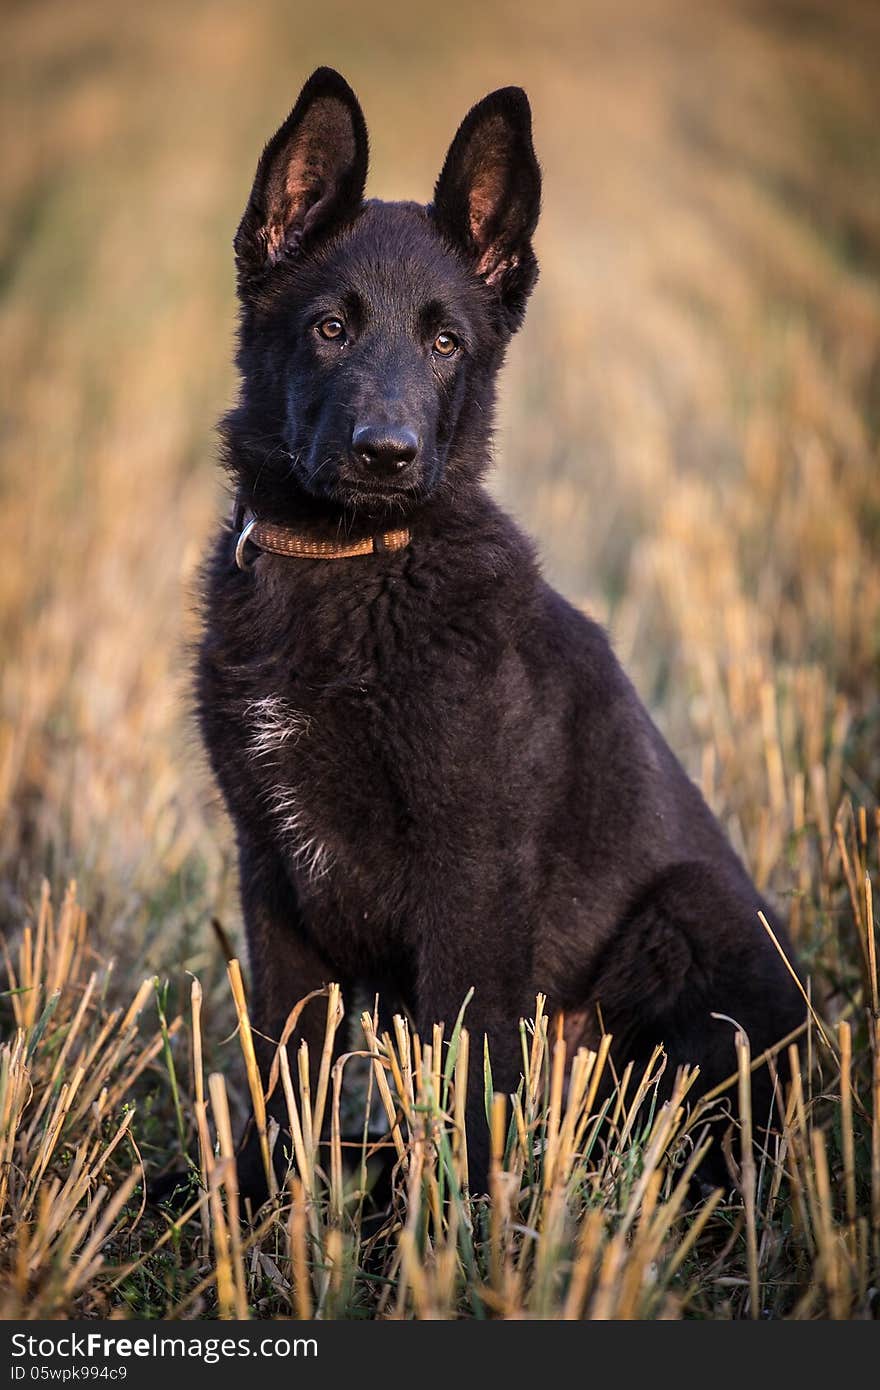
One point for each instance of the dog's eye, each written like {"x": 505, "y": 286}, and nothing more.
{"x": 445, "y": 344}
{"x": 332, "y": 329}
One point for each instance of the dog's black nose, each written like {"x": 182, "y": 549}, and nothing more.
{"x": 386, "y": 449}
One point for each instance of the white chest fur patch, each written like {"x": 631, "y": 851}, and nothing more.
{"x": 274, "y": 723}
{"x": 310, "y": 854}
{"x": 275, "y": 726}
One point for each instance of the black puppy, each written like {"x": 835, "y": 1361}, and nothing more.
{"x": 439, "y": 774}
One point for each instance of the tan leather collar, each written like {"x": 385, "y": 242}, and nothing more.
{"x": 281, "y": 540}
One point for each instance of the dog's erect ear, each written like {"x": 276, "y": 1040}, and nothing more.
{"x": 310, "y": 178}
{"x": 488, "y": 196}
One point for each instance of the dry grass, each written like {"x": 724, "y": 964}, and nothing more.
{"x": 591, "y": 1211}
{"x": 690, "y": 425}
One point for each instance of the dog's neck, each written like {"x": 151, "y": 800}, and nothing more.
{"x": 282, "y": 540}
{"x": 295, "y": 543}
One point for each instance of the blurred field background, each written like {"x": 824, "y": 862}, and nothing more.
{"x": 689, "y": 425}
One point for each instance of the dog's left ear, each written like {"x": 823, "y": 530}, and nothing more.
{"x": 488, "y": 197}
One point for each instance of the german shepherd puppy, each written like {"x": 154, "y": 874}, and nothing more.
{"x": 439, "y": 775}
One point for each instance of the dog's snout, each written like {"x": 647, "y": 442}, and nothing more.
{"x": 385, "y": 449}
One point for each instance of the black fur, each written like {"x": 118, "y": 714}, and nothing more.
{"x": 439, "y": 775}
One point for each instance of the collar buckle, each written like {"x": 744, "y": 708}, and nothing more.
{"x": 240, "y": 559}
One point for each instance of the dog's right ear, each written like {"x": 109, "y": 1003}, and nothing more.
{"x": 310, "y": 178}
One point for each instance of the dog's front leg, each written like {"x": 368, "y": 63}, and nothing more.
{"x": 493, "y": 1013}
{"x": 285, "y": 967}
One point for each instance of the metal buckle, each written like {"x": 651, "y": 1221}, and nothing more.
{"x": 242, "y": 542}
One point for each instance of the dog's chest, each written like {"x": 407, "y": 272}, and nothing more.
{"x": 364, "y": 786}
{"x": 369, "y": 728}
